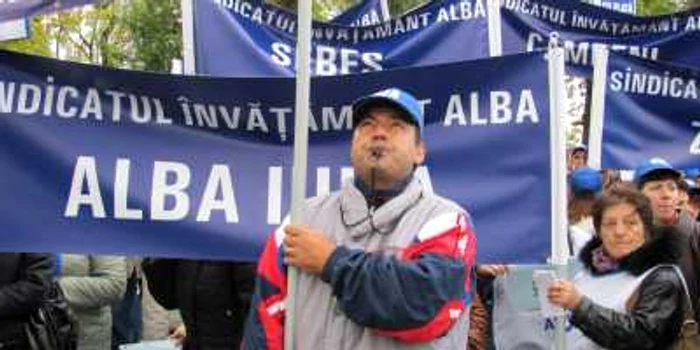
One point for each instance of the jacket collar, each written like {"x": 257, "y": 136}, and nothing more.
{"x": 360, "y": 220}
{"x": 376, "y": 198}
{"x": 662, "y": 248}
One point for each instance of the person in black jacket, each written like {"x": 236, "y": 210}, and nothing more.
{"x": 658, "y": 181}
{"x": 25, "y": 278}
{"x": 213, "y": 298}
{"x": 628, "y": 296}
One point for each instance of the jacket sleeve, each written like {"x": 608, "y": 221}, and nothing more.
{"x": 161, "y": 277}
{"x": 264, "y": 329}
{"x": 655, "y": 317}
{"x": 104, "y": 285}
{"x": 416, "y": 296}
{"x": 21, "y": 297}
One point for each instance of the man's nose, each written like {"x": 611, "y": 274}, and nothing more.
{"x": 380, "y": 132}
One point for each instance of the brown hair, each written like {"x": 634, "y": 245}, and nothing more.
{"x": 580, "y": 205}
{"x": 623, "y": 193}
{"x": 610, "y": 177}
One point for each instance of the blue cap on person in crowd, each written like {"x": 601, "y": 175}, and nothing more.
{"x": 586, "y": 179}
{"x": 690, "y": 186}
{"x": 692, "y": 172}
{"x": 653, "y": 165}
{"x": 392, "y": 97}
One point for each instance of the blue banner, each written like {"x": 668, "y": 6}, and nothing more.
{"x": 527, "y": 25}
{"x": 108, "y": 161}
{"x": 652, "y": 109}
{"x": 243, "y": 38}
{"x": 13, "y": 9}
{"x": 365, "y": 13}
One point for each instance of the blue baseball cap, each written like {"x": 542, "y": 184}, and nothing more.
{"x": 692, "y": 172}
{"x": 653, "y": 165}
{"x": 586, "y": 179}
{"x": 394, "y": 98}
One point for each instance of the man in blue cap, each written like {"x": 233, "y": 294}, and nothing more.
{"x": 578, "y": 157}
{"x": 383, "y": 263}
{"x": 690, "y": 197}
{"x": 659, "y": 181}
{"x": 692, "y": 174}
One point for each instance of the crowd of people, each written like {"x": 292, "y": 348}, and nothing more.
{"x": 384, "y": 264}
{"x": 637, "y": 242}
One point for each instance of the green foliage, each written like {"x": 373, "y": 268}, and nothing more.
{"x": 288, "y": 4}
{"x": 689, "y": 4}
{"x": 156, "y": 33}
{"x": 326, "y": 9}
{"x": 399, "y": 7}
{"x": 323, "y": 10}
{"x": 91, "y": 35}
{"x": 136, "y": 34}
{"x": 657, "y": 7}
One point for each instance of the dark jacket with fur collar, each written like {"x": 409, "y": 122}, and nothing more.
{"x": 654, "y": 320}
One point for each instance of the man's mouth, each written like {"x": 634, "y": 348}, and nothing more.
{"x": 376, "y": 152}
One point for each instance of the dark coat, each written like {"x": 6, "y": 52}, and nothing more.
{"x": 24, "y": 281}
{"x": 654, "y": 318}
{"x": 213, "y": 298}
{"x": 689, "y": 261}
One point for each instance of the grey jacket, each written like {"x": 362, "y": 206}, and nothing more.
{"x": 91, "y": 284}
{"x": 399, "y": 278}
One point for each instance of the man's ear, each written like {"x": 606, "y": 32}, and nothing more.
{"x": 420, "y": 154}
